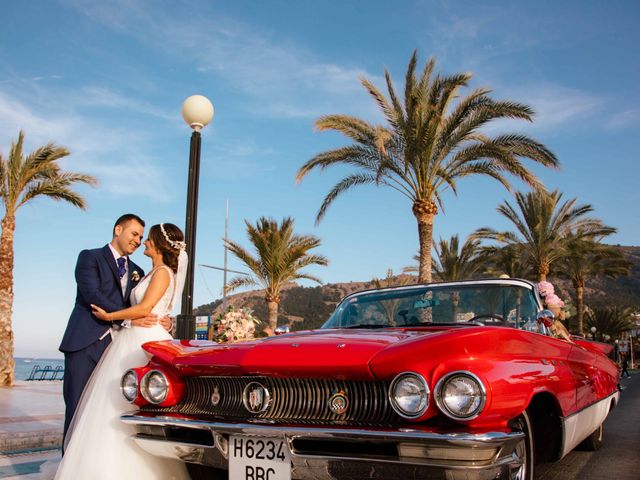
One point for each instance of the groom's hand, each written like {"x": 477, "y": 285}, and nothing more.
{"x": 166, "y": 323}
{"x": 146, "y": 322}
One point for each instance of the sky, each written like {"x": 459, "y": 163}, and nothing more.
{"x": 107, "y": 81}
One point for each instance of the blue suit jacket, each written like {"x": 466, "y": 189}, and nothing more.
{"x": 98, "y": 284}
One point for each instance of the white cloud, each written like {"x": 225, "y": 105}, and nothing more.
{"x": 95, "y": 96}
{"x": 47, "y": 77}
{"x": 555, "y": 106}
{"x": 277, "y": 78}
{"x": 92, "y": 149}
{"x": 16, "y": 115}
{"x": 625, "y": 119}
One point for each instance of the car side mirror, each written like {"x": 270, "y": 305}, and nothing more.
{"x": 545, "y": 319}
{"x": 282, "y": 329}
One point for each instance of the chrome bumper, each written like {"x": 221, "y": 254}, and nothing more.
{"x": 320, "y": 452}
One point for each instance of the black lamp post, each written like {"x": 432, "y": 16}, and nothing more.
{"x": 197, "y": 111}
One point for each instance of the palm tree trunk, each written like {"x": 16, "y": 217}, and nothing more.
{"x": 455, "y": 300}
{"x": 425, "y": 212}
{"x": 273, "y": 302}
{"x": 7, "y": 363}
{"x": 580, "y": 306}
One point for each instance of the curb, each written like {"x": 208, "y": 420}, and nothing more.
{"x": 26, "y": 441}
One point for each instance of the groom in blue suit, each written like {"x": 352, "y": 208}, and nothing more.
{"x": 105, "y": 277}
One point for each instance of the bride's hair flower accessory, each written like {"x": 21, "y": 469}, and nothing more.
{"x": 135, "y": 276}
{"x": 178, "y": 245}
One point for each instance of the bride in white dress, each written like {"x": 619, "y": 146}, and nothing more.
{"x": 99, "y": 444}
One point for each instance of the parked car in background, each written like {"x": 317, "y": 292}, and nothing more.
{"x": 456, "y": 380}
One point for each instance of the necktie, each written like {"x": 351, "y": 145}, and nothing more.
{"x": 122, "y": 266}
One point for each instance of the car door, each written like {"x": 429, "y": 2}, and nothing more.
{"x": 582, "y": 364}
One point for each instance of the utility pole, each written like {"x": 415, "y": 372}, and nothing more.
{"x": 225, "y": 269}
{"x": 226, "y": 238}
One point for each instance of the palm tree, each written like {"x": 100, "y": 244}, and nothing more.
{"x": 611, "y": 321}
{"x": 542, "y": 226}
{"x": 23, "y": 178}
{"x": 391, "y": 280}
{"x": 391, "y": 306}
{"x": 504, "y": 260}
{"x": 280, "y": 255}
{"x": 453, "y": 262}
{"x": 431, "y": 139}
{"x": 587, "y": 257}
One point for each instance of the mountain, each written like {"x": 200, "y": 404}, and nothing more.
{"x": 309, "y": 307}
{"x": 301, "y": 307}
{"x": 602, "y": 292}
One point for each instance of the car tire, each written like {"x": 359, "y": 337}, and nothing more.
{"x": 525, "y": 449}
{"x": 594, "y": 441}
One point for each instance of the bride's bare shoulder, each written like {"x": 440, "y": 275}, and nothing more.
{"x": 162, "y": 272}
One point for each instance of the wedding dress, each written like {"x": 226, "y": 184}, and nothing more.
{"x": 100, "y": 445}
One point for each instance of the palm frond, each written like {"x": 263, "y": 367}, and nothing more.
{"x": 39, "y": 174}
{"x": 306, "y": 276}
{"x": 240, "y": 282}
{"x": 390, "y": 113}
{"x": 359, "y": 156}
{"x": 341, "y": 187}
{"x": 358, "y": 130}
{"x": 280, "y": 254}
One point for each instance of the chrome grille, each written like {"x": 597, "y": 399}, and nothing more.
{"x": 294, "y": 400}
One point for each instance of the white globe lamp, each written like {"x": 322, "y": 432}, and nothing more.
{"x": 197, "y": 111}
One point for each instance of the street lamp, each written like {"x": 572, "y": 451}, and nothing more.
{"x": 197, "y": 111}
{"x": 593, "y": 332}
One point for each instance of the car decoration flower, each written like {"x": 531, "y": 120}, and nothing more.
{"x": 234, "y": 325}
{"x": 553, "y": 300}
{"x": 545, "y": 288}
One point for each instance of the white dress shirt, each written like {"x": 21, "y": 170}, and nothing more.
{"x": 125, "y": 278}
{"x": 123, "y": 284}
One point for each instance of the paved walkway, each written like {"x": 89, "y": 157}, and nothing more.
{"x": 31, "y": 422}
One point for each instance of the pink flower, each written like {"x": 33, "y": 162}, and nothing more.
{"x": 553, "y": 301}
{"x": 545, "y": 288}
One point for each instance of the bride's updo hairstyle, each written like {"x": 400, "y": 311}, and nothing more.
{"x": 169, "y": 241}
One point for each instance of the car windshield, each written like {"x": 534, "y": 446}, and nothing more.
{"x": 486, "y": 303}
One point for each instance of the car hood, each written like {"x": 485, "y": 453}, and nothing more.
{"x": 331, "y": 353}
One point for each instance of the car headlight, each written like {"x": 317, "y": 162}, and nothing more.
{"x": 154, "y": 387}
{"x": 129, "y": 385}
{"x": 409, "y": 395}
{"x": 460, "y": 395}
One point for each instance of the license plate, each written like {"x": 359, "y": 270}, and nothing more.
{"x": 258, "y": 458}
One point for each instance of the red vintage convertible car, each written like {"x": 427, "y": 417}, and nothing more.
{"x": 450, "y": 380}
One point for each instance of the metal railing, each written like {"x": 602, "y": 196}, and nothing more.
{"x": 46, "y": 373}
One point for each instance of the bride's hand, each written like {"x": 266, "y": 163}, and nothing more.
{"x": 145, "y": 322}
{"x": 100, "y": 313}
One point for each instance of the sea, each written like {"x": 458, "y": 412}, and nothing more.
{"x": 24, "y": 366}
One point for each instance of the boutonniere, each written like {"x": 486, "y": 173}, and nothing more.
{"x": 135, "y": 276}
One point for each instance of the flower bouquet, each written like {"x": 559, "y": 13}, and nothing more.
{"x": 234, "y": 324}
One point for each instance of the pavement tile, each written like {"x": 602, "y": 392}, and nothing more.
{"x": 31, "y": 416}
